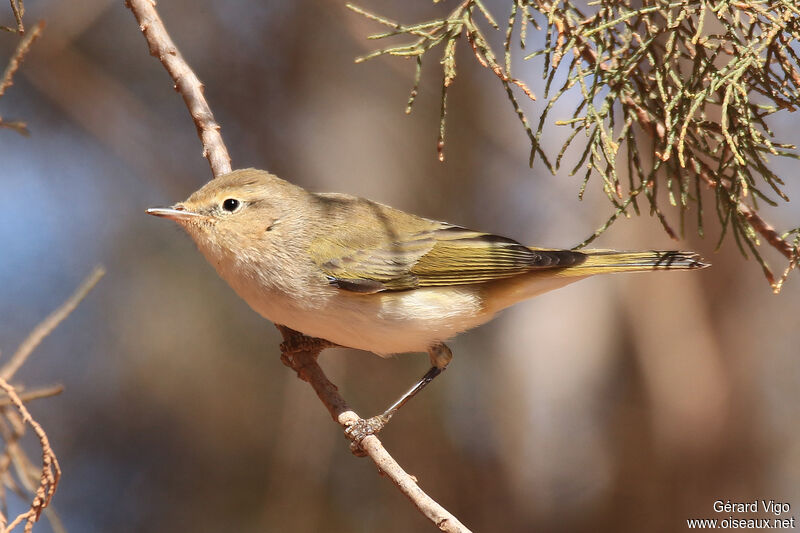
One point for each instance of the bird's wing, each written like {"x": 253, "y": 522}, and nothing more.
{"x": 425, "y": 253}
{"x": 461, "y": 256}
{"x": 362, "y": 261}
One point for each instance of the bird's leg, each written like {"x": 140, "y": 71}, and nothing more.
{"x": 297, "y": 342}
{"x": 440, "y": 356}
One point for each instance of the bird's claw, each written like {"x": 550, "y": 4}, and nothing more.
{"x": 363, "y": 428}
{"x": 298, "y": 342}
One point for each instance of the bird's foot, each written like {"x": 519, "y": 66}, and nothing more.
{"x": 297, "y": 342}
{"x": 363, "y": 428}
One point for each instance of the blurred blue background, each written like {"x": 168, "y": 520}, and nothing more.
{"x": 623, "y": 403}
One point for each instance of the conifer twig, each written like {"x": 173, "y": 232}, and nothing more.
{"x": 700, "y": 78}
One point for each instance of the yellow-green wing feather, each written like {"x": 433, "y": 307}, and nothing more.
{"x": 369, "y": 247}
{"x": 461, "y": 256}
{"x": 392, "y": 250}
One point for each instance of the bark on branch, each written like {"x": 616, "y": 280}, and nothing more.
{"x": 299, "y": 353}
{"x": 186, "y": 83}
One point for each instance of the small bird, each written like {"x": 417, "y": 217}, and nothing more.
{"x": 364, "y": 275}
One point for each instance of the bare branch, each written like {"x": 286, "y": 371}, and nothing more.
{"x": 18, "y": 8}
{"x": 22, "y": 49}
{"x": 49, "y": 324}
{"x": 7, "y": 79}
{"x": 186, "y": 83}
{"x": 300, "y": 354}
{"x": 35, "y": 394}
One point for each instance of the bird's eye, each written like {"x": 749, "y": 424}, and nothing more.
{"x": 230, "y": 205}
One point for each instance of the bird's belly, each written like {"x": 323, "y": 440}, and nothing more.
{"x": 384, "y": 323}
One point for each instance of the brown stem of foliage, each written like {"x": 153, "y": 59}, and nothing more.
{"x": 303, "y": 362}
{"x": 768, "y": 232}
{"x": 186, "y": 83}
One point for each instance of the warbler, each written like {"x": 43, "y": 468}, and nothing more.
{"x": 365, "y": 275}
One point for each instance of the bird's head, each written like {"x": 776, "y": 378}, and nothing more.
{"x": 241, "y": 215}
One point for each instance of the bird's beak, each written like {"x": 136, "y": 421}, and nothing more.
{"x": 177, "y": 213}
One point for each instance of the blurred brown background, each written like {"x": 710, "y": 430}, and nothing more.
{"x": 626, "y": 403}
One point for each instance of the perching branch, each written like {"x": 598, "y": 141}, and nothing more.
{"x": 298, "y": 351}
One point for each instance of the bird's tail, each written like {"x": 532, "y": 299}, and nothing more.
{"x": 605, "y": 261}
{"x": 579, "y": 265}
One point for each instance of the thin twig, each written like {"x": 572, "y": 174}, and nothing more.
{"x": 302, "y": 362}
{"x": 19, "y": 9}
{"x": 51, "y": 471}
{"x": 16, "y": 125}
{"x": 35, "y": 394}
{"x": 22, "y": 48}
{"x": 49, "y": 324}
{"x": 186, "y": 83}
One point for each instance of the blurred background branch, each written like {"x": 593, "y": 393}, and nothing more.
{"x": 23, "y": 46}
{"x": 700, "y": 78}
{"x": 50, "y": 323}
{"x": 18, "y": 9}
{"x": 17, "y": 471}
{"x": 50, "y": 471}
